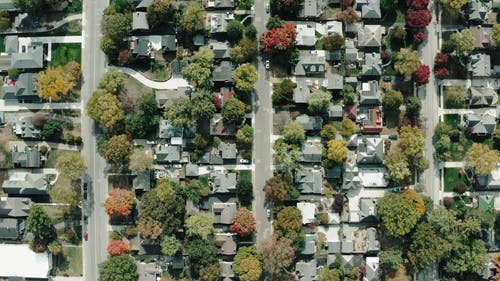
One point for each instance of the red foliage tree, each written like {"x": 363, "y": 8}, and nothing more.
{"x": 419, "y": 37}
{"x": 124, "y": 57}
{"x": 217, "y": 102}
{"x": 417, "y": 4}
{"x": 338, "y": 203}
{"x": 243, "y": 222}
{"x": 441, "y": 59}
{"x": 348, "y": 3}
{"x": 117, "y": 247}
{"x": 442, "y": 72}
{"x": 279, "y": 39}
{"x": 421, "y": 77}
{"x": 119, "y": 203}
{"x": 418, "y": 18}
{"x": 385, "y": 55}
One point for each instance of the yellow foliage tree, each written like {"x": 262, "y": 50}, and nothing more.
{"x": 337, "y": 150}
{"x": 54, "y": 83}
{"x": 416, "y": 199}
{"x": 482, "y": 159}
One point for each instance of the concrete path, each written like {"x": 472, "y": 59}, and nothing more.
{"x": 67, "y": 223}
{"x": 172, "y": 83}
{"x": 53, "y": 145}
{"x": 52, "y": 39}
{"x": 54, "y": 24}
{"x": 454, "y": 164}
{"x": 14, "y": 106}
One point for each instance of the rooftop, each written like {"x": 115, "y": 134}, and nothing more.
{"x": 21, "y": 261}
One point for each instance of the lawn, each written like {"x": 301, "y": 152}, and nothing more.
{"x": 452, "y": 178}
{"x": 64, "y": 53}
{"x": 458, "y": 91}
{"x": 53, "y": 154}
{"x": 2, "y": 44}
{"x": 246, "y": 174}
{"x": 319, "y": 44}
{"x": 70, "y": 263}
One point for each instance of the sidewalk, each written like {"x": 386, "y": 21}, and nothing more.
{"x": 14, "y": 106}
{"x": 54, "y": 25}
{"x": 172, "y": 83}
{"x": 54, "y": 145}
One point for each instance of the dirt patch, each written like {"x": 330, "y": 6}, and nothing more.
{"x": 119, "y": 181}
{"x": 134, "y": 89}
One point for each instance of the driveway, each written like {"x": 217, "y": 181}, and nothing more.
{"x": 172, "y": 83}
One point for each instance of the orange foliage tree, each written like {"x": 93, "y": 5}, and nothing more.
{"x": 243, "y": 222}
{"x": 117, "y": 247}
{"x": 120, "y": 203}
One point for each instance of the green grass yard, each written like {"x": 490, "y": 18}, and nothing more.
{"x": 64, "y": 53}
{"x": 452, "y": 178}
{"x": 70, "y": 262}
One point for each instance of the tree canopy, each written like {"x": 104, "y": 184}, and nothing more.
{"x": 161, "y": 12}
{"x": 277, "y": 190}
{"x": 277, "y": 254}
{"x": 337, "y": 150}
{"x": 244, "y": 136}
{"x": 71, "y": 165}
{"x": 199, "y": 72}
{"x": 400, "y": 212}
{"x": 245, "y": 77}
{"x": 120, "y": 267}
{"x": 463, "y": 41}
{"x": 481, "y": 159}
{"x": 40, "y": 225}
{"x": 247, "y": 263}
{"x": 140, "y": 160}
{"x": 54, "y": 83}
{"x": 243, "y": 222}
{"x": 392, "y": 99}
{"x": 105, "y": 109}
{"x": 113, "y": 82}
{"x": 170, "y": 245}
{"x": 495, "y": 35}
{"x": 193, "y": 18}
{"x": 319, "y": 102}
{"x": 278, "y": 40}
{"x": 200, "y": 253}
{"x": 407, "y": 62}
{"x": 454, "y": 5}
{"x": 233, "y": 110}
{"x": 117, "y": 149}
{"x": 200, "y": 225}
{"x": 178, "y": 111}
{"x": 120, "y": 202}
{"x": 293, "y": 132}
{"x": 203, "y": 107}
{"x": 245, "y": 51}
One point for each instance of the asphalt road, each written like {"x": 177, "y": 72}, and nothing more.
{"x": 262, "y": 154}
{"x": 428, "y": 95}
{"x": 93, "y": 67}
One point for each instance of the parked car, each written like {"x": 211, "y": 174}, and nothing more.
{"x": 399, "y": 189}
{"x": 86, "y": 236}
{"x": 85, "y": 191}
{"x": 393, "y": 137}
{"x": 387, "y": 79}
{"x": 267, "y": 8}
{"x": 267, "y": 64}
{"x": 244, "y": 161}
{"x": 268, "y": 213}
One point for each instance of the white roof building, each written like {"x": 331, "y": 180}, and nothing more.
{"x": 21, "y": 261}
{"x": 307, "y": 210}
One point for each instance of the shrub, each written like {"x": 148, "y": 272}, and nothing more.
{"x": 460, "y": 188}
{"x": 442, "y": 72}
{"x": 419, "y": 37}
{"x": 115, "y": 235}
{"x": 447, "y": 201}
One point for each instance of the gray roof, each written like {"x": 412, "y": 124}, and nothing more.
{"x": 142, "y": 180}
{"x": 168, "y": 153}
{"x": 351, "y": 261}
{"x": 167, "y": 130}
{"x": 177, "y": 66}
{"x": 372, "y": 269}
{"x": 226, "y": 244}
{"x": 224, "y": 212}
{"x": 11, "y": 44}
{"x": 477, "y": 10}
{"x": 311, "y": 152}
{"x": 226, "y": 269}
{"x": 227, "y": 150}
{"x": 140, "y": 21}
{"x": 163, "y": 96}
{"x": 309, "y": 246}
{"x": 14, "y": 207}
{"x": 372, "y": 243}
{"x": 347, "y": 246}
{"x": 144, "y": 4}
{"x": 217, "y": 22}
{"x": 370, "y": 94}
{"x": 309, "y": 181}
{"x": 32, "y": 59}
{"x": 223, "y": 182}
{"x": 372, "y": 65}
{"x": 310, "y": 63}
{"x": 333, "y": 172}
{"x": 219, "y": 49}
{"x": 223, "y": 72}
{"x": 335, "y": 82}
{"x": 29, "y": 158}
{"x": 169, "y": 42}
{"x": 218, "y": 4}
{"x": 351, "y": 179}
{"x": 302, "y": 91}
{"x": 480, "y": 124}
{"x": 482, "y": 96}
{"x": 7, "y": 5}
{"x": 480, "y": 65}
{"x": 147, "y": 271}
{"x": 312, "y": 8}
{"x": 11, "y": 228}
{"x": 26, "y": 129}
{"x": 333, "y": 247}
{"x": 371, "y": 10}
{"x": 199, "y": 40}
{"x": 26, "y": 184}
{"x": 211, "y": 158}
{"x": 23, "y": 88}
{"x": 141, "y": 46}
{"x": 191, "y": 170}
{"x": 220, "y": 128}
{"x": 306, "y": 271}
{"x": 306, "y": 34}
{"x": 335, "y": 111}
{"x": 352, "y": 55}
{"x": 370, "y": 36}
{"x": 370, "y": 150}
{"x": 310, "y": 123}
{"x": 368, "y": 209}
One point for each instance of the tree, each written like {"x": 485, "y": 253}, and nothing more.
{"x": 328, "y": 132}
{"x": 441, "y": 59}
{"x": 200, "y": 225}
{"x": 65, "y": 195}
{"x": 162, "y": 204}
{"x": 463, "y": 41}
{"x": 407, "y": 62}
{"x": 108, "y": 46}
{"x": 348, "y": 127}
{"x": 289, "y": 220}
{"x": 203, "y": 107}
{"x": 285, "y": 8}
{"x": 120, "y": 202}
{"x": 481, "y": 159}
{"x": 283, "y": 91}
{"x": 279, "y": 40}
{"x": 105, "y": 109}
{"x": 170, "y": 246}
{"x": 277, "y": 190}
{"x": 245, "y": 77}
{"x": 349, "y": 95}
{"x": 244, "y": 189}
{"x": 274, "y": 22}
{"x": 199, "y": 72}
{"x": 40, "y": 225}
{"x": 398, "y": 213}
{"x": 397, "y": 165}
{"x": 74, "y": 70}
{"x": 247, "y": 264}
{"x": 140, "y": 160}
{"x": 411, "y": 141}
{"x": 149, "y": 228}
{"x": 210, "y": 272}
{"x": 117, "y": 247}
{"x": 426, "y": 247}
{"x": 419, "y": 37}
{"x": 178, "y": 111}
{"x": 386, "y": 56}
{"x": 277, "y": 254}
{"x": 71, "y": 165}
{"x": 393, "y": 99}
{"x": 120, "y": 267}
{"x": 116, "y": 26}
{"x": 245, "y": 51}
{"x": 33, "y": 7}
{"x": 293, "y": 132}
{"x": 200, "y": 253}
{"x": 398, "y": 33}
{"x": 413, "y": 106}
{"x": 250, "y": 30}
{"x": 421, "y": 77}
{"x": 453, "y": 5}
{"x": 233, "y": 110}
{"x": 52, "y": 130}
{"x": 495, "y": 35}
{"x": 442, "y": 73}
{"x": 337, "y": 150}
{"x": 193, "y": 190}
{"x": 330, "y": 274}
{"x": 54, "y": 83}
{"x": 287, "y": 156}
{"x": 244, "y": 136}
{"x": 417, "y": 4}
{"x": 193, "y": 18}
{"x": 349, "y": 16}
{"x": 418, "y": 18}
{"x": 333, "y": 42}
{"x": 391, "y": 259}
{"x": 235, "y": 30}
{"x": 12, "y": 72}
{"x": 113, "y": 82}
{"x": 39, "y": 119}
{"x": 117, "y": 149}
{"x": 243, "y": 222}
{"x": 470, "y": 258}
{"x": 319, "y": 102}
{"x": 389, "y": 4}
{"x": 161, "y": 12}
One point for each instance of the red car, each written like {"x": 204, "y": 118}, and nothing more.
{"x": 86, "y": 236}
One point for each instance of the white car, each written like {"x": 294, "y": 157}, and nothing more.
{"x": 267, "y": 64}
{"x": 267, "y": 8}
{"x": 244, "y": 161}
{"x": 268, "y": 213}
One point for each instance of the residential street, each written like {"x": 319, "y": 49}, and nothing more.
{"x": 93, "y": 67}
{"x": 262, "y": 124}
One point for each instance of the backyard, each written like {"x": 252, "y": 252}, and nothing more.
{"x": 64, "y": 53}
{"x": 453, "y": 176}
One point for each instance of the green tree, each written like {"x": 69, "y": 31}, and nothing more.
{"x": 283, "y": 92}
{"x": 481, "y": 159}
{"x": 233, "y": 111}
{"x": 330, "y": 274}
{"x": 244, "y": 136}
{"x": 12, "y": 72}
{"x": 398, "y": 214}
{"x": 120, "y": 267}
{"x": 407, "y": 62}
{"x": 293, "y": 132}
{"x": 245, "y": 77}
{"x": 245, "y": 51}
{"x": 397, "y": 165}
{"x": 247, "y": 264}
{"x": 108, "y": 46}
{"x": 278, "y": 189}
{"x": 193, "y": 18}
{"x": 116, "y": 26}
{"x": 52, "y": 130}
{"x": 426, "y": 247}
{"x": 287, "y": 157}
{"x": 33, "y": 7}
{"x": 467, "y": 258}
{"x": 210, "y": 272}
{"x": 389, "y": 4}
{"x": 40, "y": 225}
{"x": 442, "y": 129}
{"x": 333, "y": 42}
{"x": 200, "y": 253}
{"x": 250, "y": 30}
{"x": 140, "y": 160}
{"x": 203, "y": 107}
{"x": 413, "y": 106}
{"x": 178, "y": 111}
{"x": 113, "y": 82}
{"x": 161, "y": 12}
{"x": 463, "y": 41}
{"x": 289, "y": 224}
{"x": 64, "y": 194}
{"x": 337, "y": 150}
{"x": 391, "y": 259}
{"x": 117, "y": 149}
{"x": 199, "y": 72}
{"x": 411, "y": 141}
{"x": 348, "y": 127}
{"x": 454, "y": 5}
{"x": 71, "y": 165}
{"x": 328, "y": 132}
{"x": 275, "y": 22}
{"x": 200, "y": 225}
{"x": 105, "y": 109}
{"x": 392, "y": 99}
{"x": 194, "y": 190}
{"x": 495, "y": 35}
{"x": 235, "y": 30}
{"x": 319, "y": 102}
{"x": 170, "y": 246}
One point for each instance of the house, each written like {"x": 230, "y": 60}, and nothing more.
{"x": 8, "y": 5}
{"x": 26, "y": 184}
{"x": 307, "y": 85}
{"x": 481, "y": 37}
{"x": 11, "y": 43}
{"x": 226, "y": 270}
{"x": 14, "y": 207}
{"x": 306, "y": 271}
{"x": 372, "y": 269}
{"x": 219, "y": 49}
{"x": 22, "y": 89}
{"x": 24, "y": 21}
{"x": 148, "y": 271}
{"x": 176, "y": 66}
{"x": 491, "y": 181}
{"x": 312, "y": 8}
{"x": 372, "y": 65}
{"x": 309, "y": 181}
{"x": 478, "y": 10}
{"x": 28, "y": 158}
{"x": 482, "y": 96}
{"x": 480, "y": 125}
{"x": 368, "y": 209}
{"x": 486, "y": 203}
{"x": 353, "y": 56}
{"x": 141, "y": 47}
{"x": 496, "y": 4}
{"x": 224, "y": 212}
{"x": 225, "y": 243}
{"x": 192, "y": 170}
{"x": 308, "y": 210}
{"x": 164, "y": 96}
{"x": 333, "y": 27}
{"x": 350, "y": 262}
{"x": 351, "y": 112}
{"x": 351, "y": 179}
{"x": 167, "y": 130}
{"x": 334, "y": 172}
{"x": 310, "y": 123}
{"x": 370, "y": 36}
{"x": 12, "y": 228}
{"x": 25, "y": 129}
{"x": 306, "y": 34}
{"x": 227, "y": 151}
{"x": 219, "y": 127}
{"x": 370, "y": 93}
{"x": 335, "y": 82}
{"x": 373, "y": 177}
{"x": 223, "y": 72}
{"x": 370, "y": 10}
{"x": 371, "y": 121}
{"x": 311, "y": 152}
{"x": 372, "y": 244}
{"x": 211, "y": 158}
{"x": 139, "y": 21}
{"x": 335, "y": 111}
{"x": 32, "y": 59}
{"x": 223, "y": 182}
{"x": 309, "y": 245}
{"x": 480, "y": 65}
{"x": 199, "y": 40}
{"x": 167, "y": 153}
{"x": 18, "y": 260}
{"x": 218, "y": 4}
{"x": 217, "y": 22}
{"x": 142, "y": 181}
{"x": 310, "y": 63}
{"x": 370, "y": 150}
